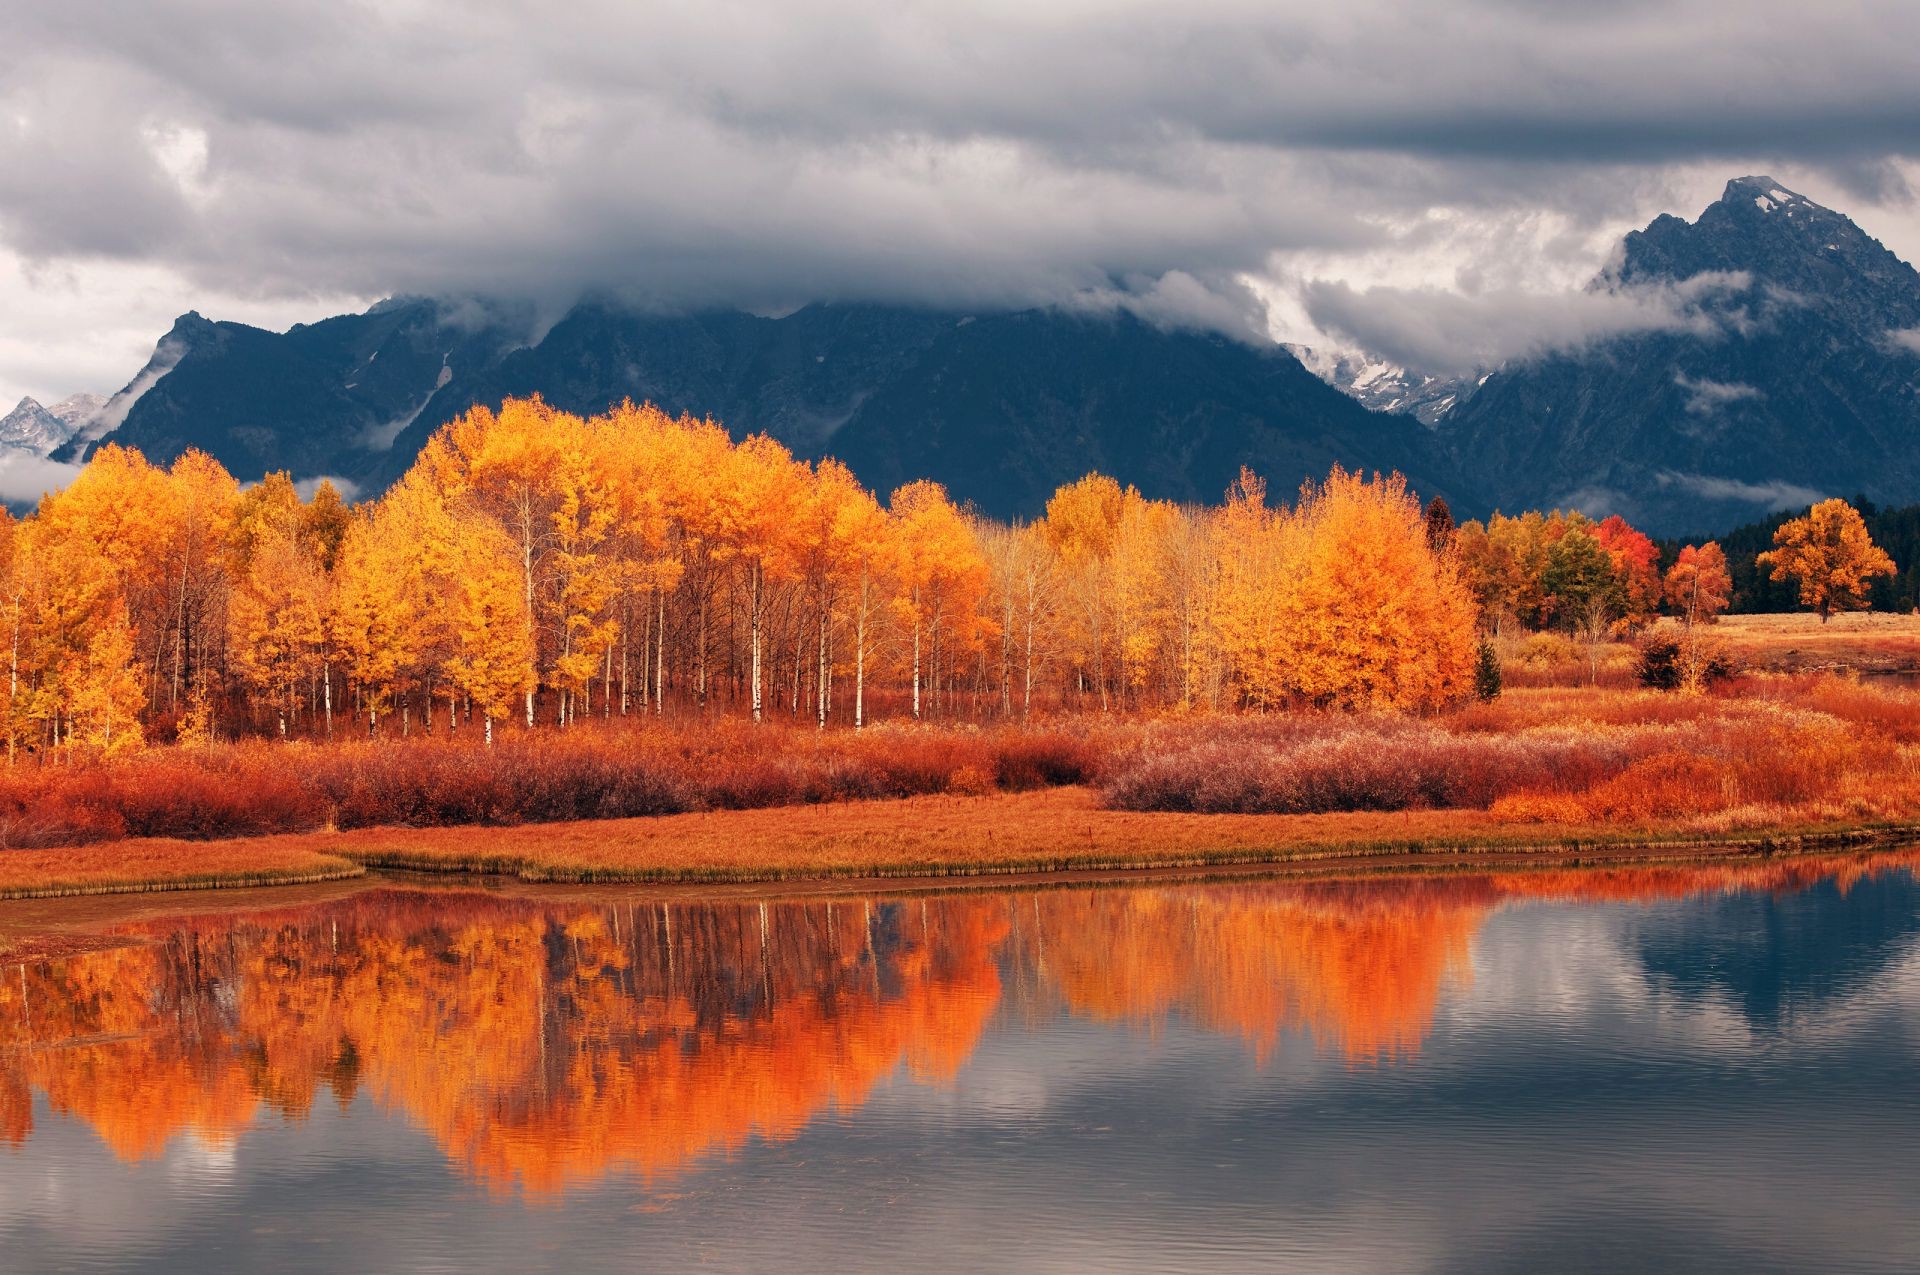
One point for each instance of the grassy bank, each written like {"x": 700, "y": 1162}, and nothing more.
{"x": 1561, "y": 768}
{"x": 140, "y": 866}
{"x": 1057, "y": 830}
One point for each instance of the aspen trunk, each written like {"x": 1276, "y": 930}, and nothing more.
{"x": 753, "y": 627}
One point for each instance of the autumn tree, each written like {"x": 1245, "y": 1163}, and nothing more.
{"x": 1247, "y": 600}
{"x": 1698, "y": 585}
{"x": 1830, "y": 554}
{"x": 942, "y": 577}
{"x": 1636, "y": 569}
{"x": 492, "y": 660}
{"x": 277, "y": 615}
{"x": 1371, "y": 615}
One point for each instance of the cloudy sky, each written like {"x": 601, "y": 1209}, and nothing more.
{"x": 1436, "y": 180}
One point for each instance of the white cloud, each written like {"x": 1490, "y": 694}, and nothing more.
{"x": 1770, "y": 496}
{"x": 1706, "y": 397}
{"x": 281, "y": 162}
{"x": 25, "y": 476}
{"x": 1905, "y": 339}
{"x": 1450, "y": 331}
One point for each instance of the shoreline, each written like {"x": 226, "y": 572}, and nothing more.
{"x": 1049, "y": 834}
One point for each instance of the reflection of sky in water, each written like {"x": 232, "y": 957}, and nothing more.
{"x": 1463, "y": 1077}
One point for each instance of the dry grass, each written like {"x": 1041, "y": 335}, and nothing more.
{"x": 1865, "y": 641}
{"x": 134, "y": 867}
{"x": 1773, "y": 756}
{"x": 590, "y": 772}
{"x": 1049, "y": 831}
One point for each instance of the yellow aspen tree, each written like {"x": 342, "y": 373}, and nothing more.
{"x": 1372, "y": 614}
{"x": 1082, "y": 524}
{"x": 107, "y": 695}
{"x": 494, "y": 651}
{"x": 942, "y": 578}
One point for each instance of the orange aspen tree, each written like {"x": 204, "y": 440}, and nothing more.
{"x": 1139, "y": 609}
{"x": 585, "y": 573}
{"x": 842, "y": 534}
{"x": 376, "y": 617}
{"x": 1831, "y": 555}
{"x": 755, "y": 504}
{"x": 276, "y": 616}
{"x": 505, "y": 465}
{"x": 1246, "y": 602}
{"x": 203, "y": 495}
{"x": 1191, "y": 577}
{"x": 1698, "y": 585}
{"x": 106, "y": 688}
{"x": 15, "y": 588}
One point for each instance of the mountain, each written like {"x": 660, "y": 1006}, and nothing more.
{"x": 1793, "y": 372}
{"x": 1383, "y": 386}
{"x": 1002, "y": 407}
{"x": 33, "y": 428}
{"x": 75, "y": 409}
{"x": 321, "y": 398}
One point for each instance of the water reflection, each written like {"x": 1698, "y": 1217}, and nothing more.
{"x": 545, "y": 1046}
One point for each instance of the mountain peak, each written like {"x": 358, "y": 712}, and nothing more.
{"x": 33, "y": 427}
{"x": 1767, "y": 195}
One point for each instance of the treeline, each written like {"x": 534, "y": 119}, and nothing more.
{"x": 1564, "y": 570}
{"x": 542, "y": 567}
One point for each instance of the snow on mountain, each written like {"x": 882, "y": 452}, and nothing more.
{"x": 1387, "y": 387}
{"x": 31, "y": 427}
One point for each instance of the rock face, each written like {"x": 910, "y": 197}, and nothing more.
{"x": 1794, "y": 374}
{"x": 1002, "y": 407}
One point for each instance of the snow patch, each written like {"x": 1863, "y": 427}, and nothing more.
{"x": 1764, "y": 204}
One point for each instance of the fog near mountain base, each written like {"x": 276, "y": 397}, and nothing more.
{"x": 1135, "y": 155}
{"x": 25, "y": 477}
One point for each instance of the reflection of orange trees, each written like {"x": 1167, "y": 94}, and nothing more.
{"x": 545, "y": 1046}
{"x": 1359, "y": 965}
{"x": 107, "y": 1039}
{"x": 540, "y": 1047}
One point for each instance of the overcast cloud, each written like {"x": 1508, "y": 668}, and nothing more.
{"x": 273, "y": 162}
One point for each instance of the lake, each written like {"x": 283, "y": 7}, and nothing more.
{"x": 1713, "y": 1068}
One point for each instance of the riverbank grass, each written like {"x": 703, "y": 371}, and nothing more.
{"x": 1055, "y": 830}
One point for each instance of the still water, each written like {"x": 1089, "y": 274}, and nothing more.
{"x": 1709, "y": 1069}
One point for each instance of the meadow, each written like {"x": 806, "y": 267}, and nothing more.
{"x": 1563, "y": 765}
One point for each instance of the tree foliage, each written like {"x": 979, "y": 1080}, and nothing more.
{"x": 1831, "y": 556}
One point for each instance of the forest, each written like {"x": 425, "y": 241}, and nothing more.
{"x": 543, "y": 568}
